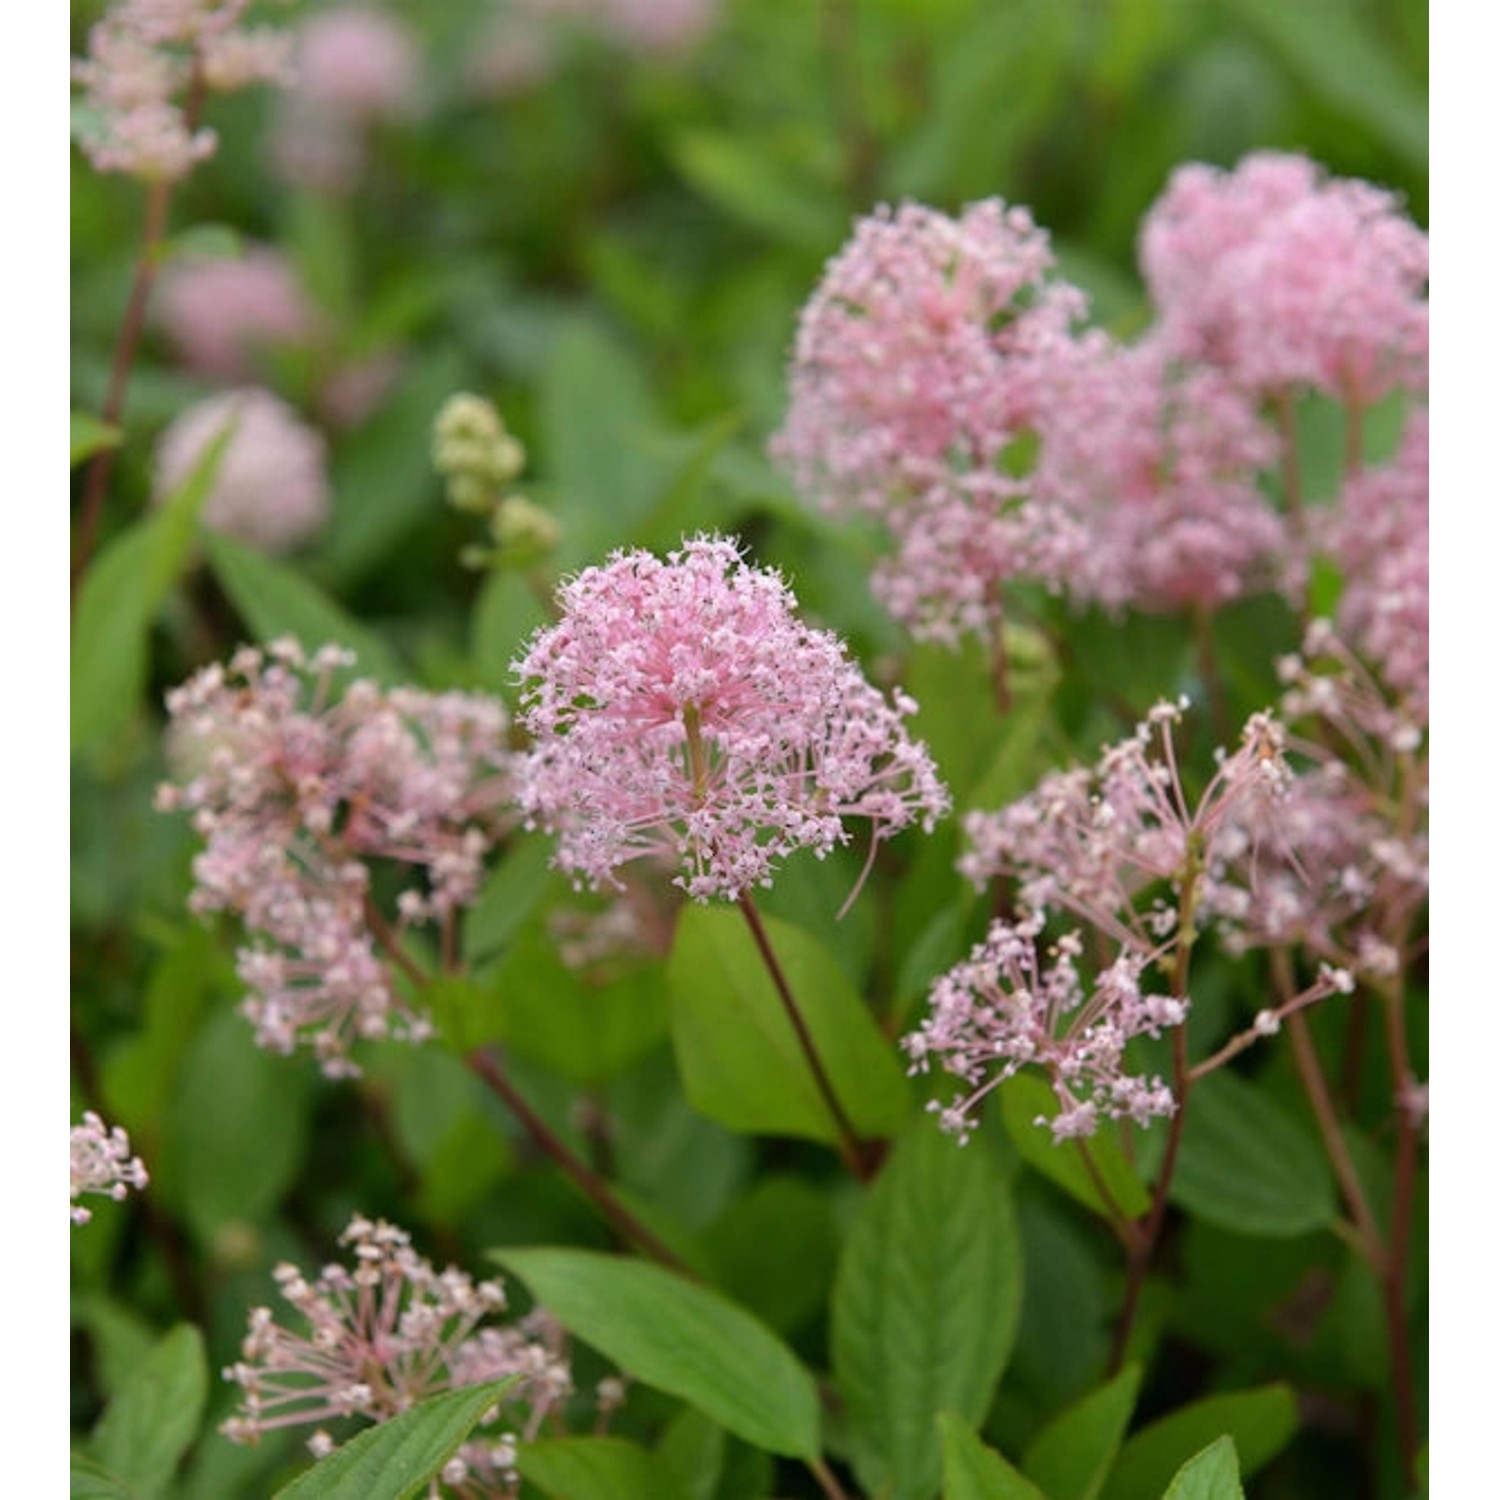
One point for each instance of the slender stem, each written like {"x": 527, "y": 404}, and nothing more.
{"x": 1125, "y": 1228}
{"x": 101, "y": 466}
{"x": 1213, "y": 679}
{"x": 826, "y": 1482}
{"x": 841, "y": 47}
{"x": 857, "y": 1154}
{"x": 593, "y": 1187}
{"x": 999, "y": 657}
{"x": 386, "y": 936}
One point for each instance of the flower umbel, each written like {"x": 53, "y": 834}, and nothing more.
{"x": 101, "y": 1163}
{"x": 680, "y": 709}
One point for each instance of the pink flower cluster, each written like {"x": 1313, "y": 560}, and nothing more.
{"x": 680, "y": 710}
{"x": 145, "y": 57}
{"x": 270, "y": 489}
{"x": 100, "y": 1162}
{"x": 1287, "y": 279}
{"x": 386, "y": 1333}
{"x": 297, "y": 790}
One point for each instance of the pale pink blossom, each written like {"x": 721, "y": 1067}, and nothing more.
{"x": 914, "y": 394}
{"x": 359, "y": 62}
{"x": 1288, "y": 279}
{"x": 223, "y": 314}
{"x": 385, "y": 1333}
{"x": 297, "y": 788}
{"x": 101, "y": 1163}
{"x": 271, "y": 486}
{"x": 680, "y": 709}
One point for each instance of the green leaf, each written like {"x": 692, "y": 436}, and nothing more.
{"x": 1070, "y": 1457}
{"x": 1261, "y": 1422}
{"x": 1249, "y": 1166}
{"x": 681, "y": 1338}
{"x": 1343, "y": 60}
{"x": 738, "y": 1052}
{"x": 205, "y": 241}
{"x": 507, "y": 898}
{"x": 1213, "y": 1474}
{"x": 89, "y": 1481}
{"x": 275, "y": 601}
{"x": 972, "y": 1471}
{"x": 693, "y": 1448}
{"x": 121, "y": 593}
{"x": 1026, "y": 1097}
{"x": 87, "y": 435}
{"x": 597, "y": 1468}
{"x": 925, "y": 1307}
{"x": 147, "y": 1428}
{"x": 395, "y": 1459}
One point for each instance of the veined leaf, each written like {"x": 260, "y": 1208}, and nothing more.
{"x": 972, "y": 1471}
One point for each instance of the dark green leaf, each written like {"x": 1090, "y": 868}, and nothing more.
{"x": 925, "y": 1306}
{"x": 681, "y": 1338}
{"x": 273, "y": 600}
{"x": 507, "y": 898}
{"x": 597, "y": 1468}
{"x": 396, "y": 1459}
{"x": 1213, "y": 1474}
{"x": 748, "y": 180}
{"x": 972, "y": 1471}
{"x": 149, "y": 1425}
{"x": 87, "y": 435}
{"x": 738, "y": 1052}
{"x": 693, "y": 1448}
{"x": 1024, "y": 1099}
{"x": 1248, "y": 1165}
{"x": 1261, "y": 1422}
{"x": 466, "y": 1014}
{"x": 1070, "y": 1457}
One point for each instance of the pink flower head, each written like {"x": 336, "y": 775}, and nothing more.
{"x": 221, "y": 314}
{"x": 358, "y": 62}
{"x": 1289, "y": 280}
{"x": 1013, "y": 1003}
{"x": 914, "y": 380}
{"x": 1155, "y": 468}
{"x": 271, "y": 486}
{"x": 101, "y": 1163}
{"x": 680, "y": 709}
{"x": 382, "y": 1335}
{"x": 295, "y": 790}
{"x": 1378, "y": 535}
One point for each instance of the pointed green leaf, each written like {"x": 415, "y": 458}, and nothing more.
{"x": 87, "y": 435}
{"x": 972, "y": 1471}
{"x": 1070, "y": 1458}
{"x": 597, "y": 1468}
{"x": 1213, "y": 1474}
{"x": 273, "y": 600}
{"x": 147, "y": 1428}
{"x": 1024, "y": 1099}
{"x": 738, "y": 1051}
{"x": 681, "y": 1338}
{"x": 396, "y": 1459}
{"x": 925, "y": 1306}
{"x": 1261, "y": 1422}
{"x": 1248, "y": 1165}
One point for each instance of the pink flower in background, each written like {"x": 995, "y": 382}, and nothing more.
{"x": 1378, "y": 536}
{"x": 271, "y": 487}
{"x": 359, "y": 62}
{"x": 296, "y": 789}
{"x": 915, "y": 387}
{"x": 1156, "y": 469}
{"x": 655, "y": 27}
{"x": 101, "y": 1163}
{"x": 221, "y": 314}
{"x": 1290, "y": 280}
{"x": 680, "y": 709}
{"x": 386, "y": 1333}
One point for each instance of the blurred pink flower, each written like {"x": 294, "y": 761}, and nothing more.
{"x": 271, "y": 486}
{"x": 359, "y": 62}
{"x": 679, "y": 708}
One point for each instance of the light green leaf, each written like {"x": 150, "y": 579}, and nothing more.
{"x": 273, "y": 601}
{"x": 147, "y": 1428}
{"x": 693, "y": 1448}
{"x": 972, "y": 1471}
{"x": 1261, "y": 1422}
{"x": 1214, "y": 1474}
{"x": 507, "y": 898}
{"x": 394, "y": 1460}
{"x": 1026, "y": 1097}
{"x": 597, "y": 1468}
{"x": 89, "y": 1481}
{"x": 925, "y": 1307}
{"x": 738, "y": 1052}
{"x": 1070, "y": 1457}
{"x": 466, "y": 1014}
{"x": 87, "y": 435}
{"x": 203, "y": 241}
{"x": 1249, "y": 1166}
{"x": 681, "y": 1338}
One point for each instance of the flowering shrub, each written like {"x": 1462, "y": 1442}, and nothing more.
{"x": 747, "y": 901}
